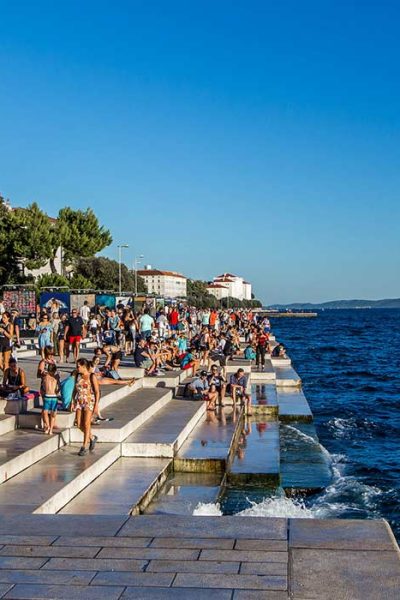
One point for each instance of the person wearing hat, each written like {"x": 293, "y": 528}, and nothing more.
{"x": 201, "y": 390}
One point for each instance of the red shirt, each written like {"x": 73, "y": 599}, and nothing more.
{"x": 174, "y": 317}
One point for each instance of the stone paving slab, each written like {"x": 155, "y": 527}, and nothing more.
{"x": 50, "y": 551}
{"x": 334, "y": 574}
{"x": 263, "y": 568}
{"x": 175, "y": 594}
{"x": 254, "y": 595}
{"x": 191, "y": 566}
{"x": 94, "y": 564}
{"x": 41, "y": 576}
{"x": 60, "y": 524}
{"x": 62, "y": 592}
{"x": 256, "y": 582}
{"x": 277, "y": 545}
{"x": 244, "y": 555}
{"x": 114, "y": 542}
{"x": 194, "y": 543}
{"x": 340, "y": 534}
{"x": 134, "y": 579}
{"x": 151, "y": 553}
{"x": 209, "y": 527}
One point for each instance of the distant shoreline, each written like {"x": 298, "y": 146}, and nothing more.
{"x": 339, "y": 305}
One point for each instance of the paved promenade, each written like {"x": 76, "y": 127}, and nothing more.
{"x": 159, "y": 557}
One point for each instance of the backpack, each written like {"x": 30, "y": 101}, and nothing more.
{"x": 109, "y": 337}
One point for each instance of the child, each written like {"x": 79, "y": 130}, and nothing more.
{"x": 51, "y": 392}
{"x": 249, "y": 353}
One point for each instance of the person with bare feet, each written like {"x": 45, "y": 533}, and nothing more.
{"x": 51, "y": 394}
{"x": 237, "y": 387}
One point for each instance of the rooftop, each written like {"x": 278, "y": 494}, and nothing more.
{"x": 152, "y": 272}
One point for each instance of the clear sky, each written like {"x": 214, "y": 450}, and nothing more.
{"x": 255, "y": 137}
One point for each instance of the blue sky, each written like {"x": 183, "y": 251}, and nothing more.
{"x": 256, "y": 137}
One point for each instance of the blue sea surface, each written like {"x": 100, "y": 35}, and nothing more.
{"x": 349, "y": 361}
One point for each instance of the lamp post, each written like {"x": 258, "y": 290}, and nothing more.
{"x": 137, "y": 261}
{"x": 120, "y": 246}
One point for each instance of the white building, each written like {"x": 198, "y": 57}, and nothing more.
{"x": 230, "y": 285}
{"x": 168, "y": 284}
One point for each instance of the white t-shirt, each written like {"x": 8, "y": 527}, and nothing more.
{"x": 85, "y": 312}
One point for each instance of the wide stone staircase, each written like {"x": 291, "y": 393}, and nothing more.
{"x": 151, "y": 429}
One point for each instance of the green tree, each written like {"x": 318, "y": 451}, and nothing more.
{"x": 104, "y": 274}
{"x": 80, "y": 234}
{"x": 51, "y": 280}
{"x": 32, "y": 235}
{"x": 79, "y": 282}
{"x": 9, "y": 268}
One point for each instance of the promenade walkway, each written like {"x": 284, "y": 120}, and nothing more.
{"x": 226, "y": 558}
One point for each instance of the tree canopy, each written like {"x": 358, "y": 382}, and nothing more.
{"x": 104, "y": 274}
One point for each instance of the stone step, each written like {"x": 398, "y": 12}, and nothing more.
{"x": 168, "y": 379}
{"x": 127, "y": 372}
{"x": 281, "y": 362}
{"x": 264, "y": 399}
{"x": 287, "y": 377}
{"x": 32, "y": 419}
{"x": 125, "y": 488}
{"x": 128, "y": 414}
{"x": 163, "y": 434}
{"x": 7, "y": 423}
{"x": 210, "y": 445}
{"x": 266, "y": 374}
{"x": 21, "y": 449}
{"x": 48, "y": 485}
{"x": 238, "y": 363}
{"x": 15, "y": 407}
{"x": 293, "y": 405}
{"x": 257, "y": 458}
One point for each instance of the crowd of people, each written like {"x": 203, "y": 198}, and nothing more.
{"x": 173, "y": 337}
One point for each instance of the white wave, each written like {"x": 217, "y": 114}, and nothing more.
{"x": 311, "y": 440}
{"x": 278, "y": 506}
{"x": 204, "y": 509}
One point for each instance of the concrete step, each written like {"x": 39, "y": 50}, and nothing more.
{"x": 128, "y": 414}
{"x": 281, "y": 362}
{"x": 287, "y": 377}
{"x": 264, "y": 399}
{"x": 21, "y": 449}
{"x": 257, "y": 458}
{"x": 267, "y": 374}
{"x": 127, "y": 372}
{"x": 238, "y": 363}
{"x": 293, "y": 405}
{"x": 210, "y": 446}
{"x": 7, "y": 423}
{"x": 167, "y": 379}
{"x": 15, "y": 407}
{"x": 125, "y": 488}
{"x": 32, "y": 419}
{"x": 51, "y": 483}
{"x": 163, "y": 434}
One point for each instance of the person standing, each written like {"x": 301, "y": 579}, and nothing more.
{"x": 85, "y": 312}
{"x": 85, "y": 403}
{"x": 74, "y": 331}
{"x": 45, "y": 331}
{"x": 261, "y": 349}
{"x": 146, "y": 323}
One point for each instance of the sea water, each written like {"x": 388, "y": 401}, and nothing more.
{"x": 349, "y": 361}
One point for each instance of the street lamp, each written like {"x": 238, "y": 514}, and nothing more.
{"x": 120, "y": 246}
{"x": 137, "y": 261}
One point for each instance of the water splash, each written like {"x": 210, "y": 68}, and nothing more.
{"x": 278, "y": 506}
{"x": 204, "y": 509}
{"x": 311, "y": 440}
